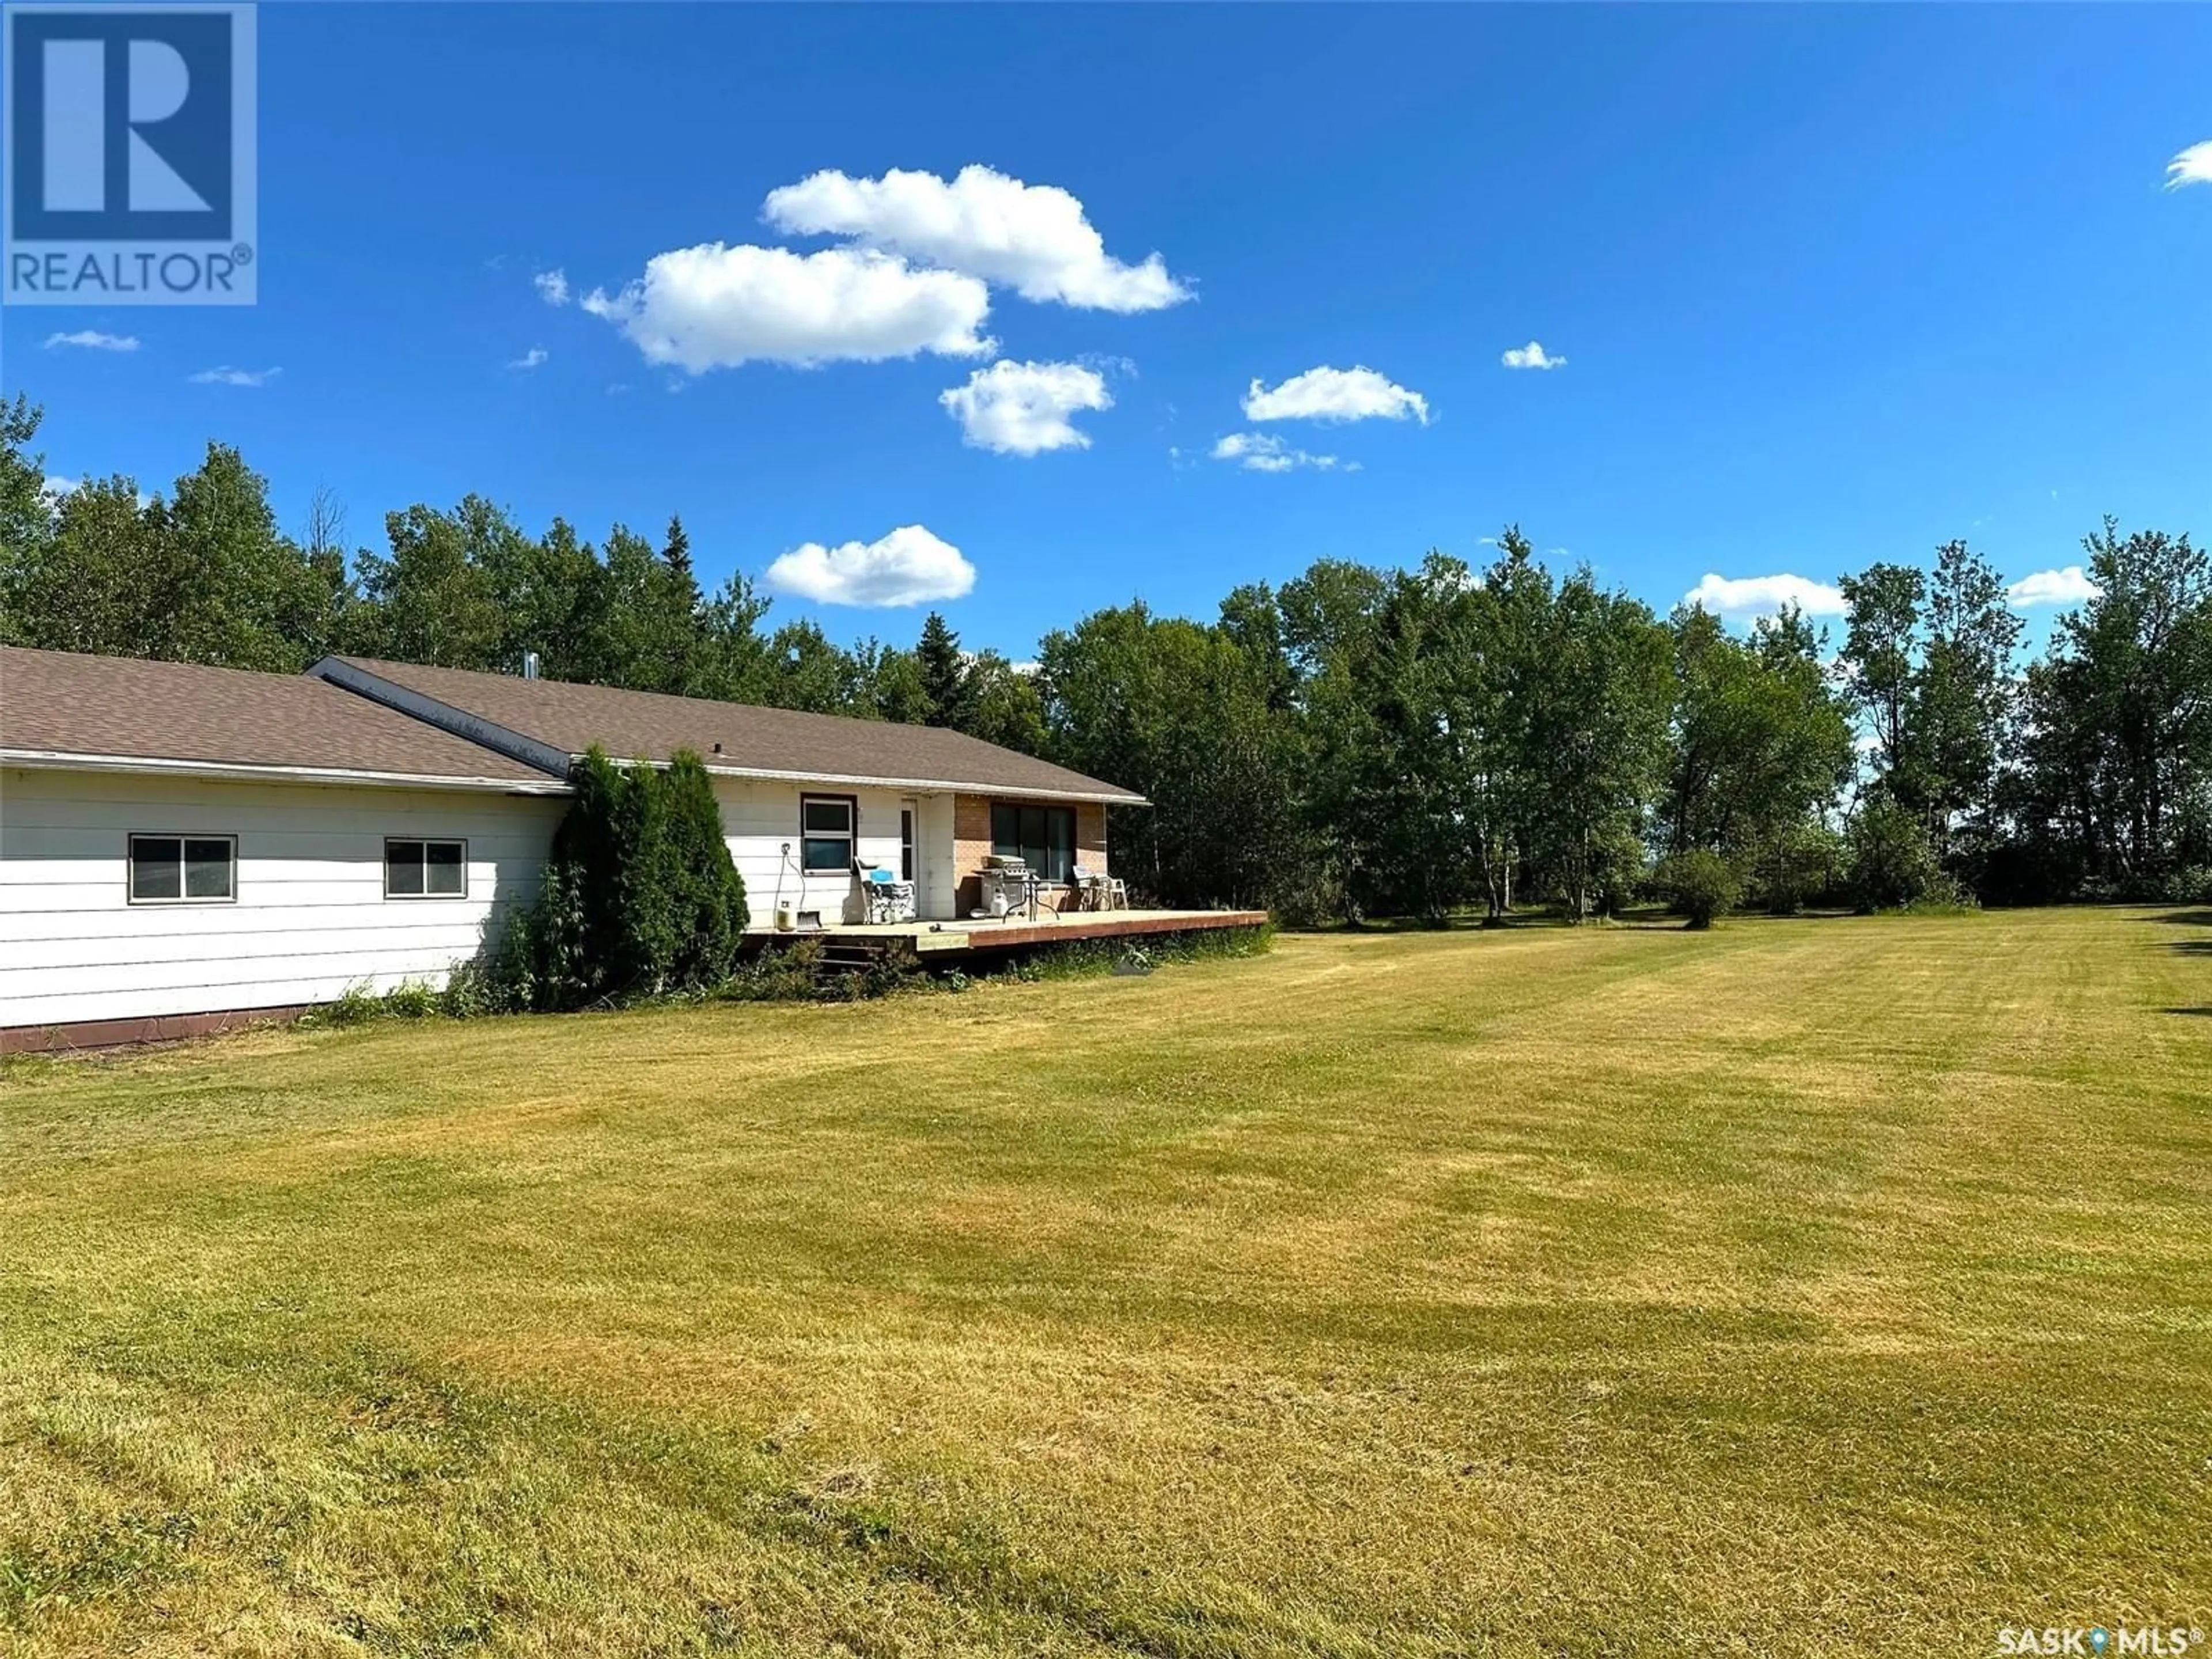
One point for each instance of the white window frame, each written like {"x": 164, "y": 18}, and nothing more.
{"x": 426, "y": 843}
{"x": 181, "y": 837}
{"x": 850, "y": 836}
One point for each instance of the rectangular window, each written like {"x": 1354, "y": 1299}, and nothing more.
{"x": 827, "y": 825}
{"x": 417, "y": 868}
{"x": 906, "y": 843}
{"x": 184, "y": 869}
{"x": 1042, "y": 837}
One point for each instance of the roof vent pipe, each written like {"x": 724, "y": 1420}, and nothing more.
{"x": 530, "y": 665}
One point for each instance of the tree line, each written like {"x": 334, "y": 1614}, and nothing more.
{"x": 1358, "y": 741}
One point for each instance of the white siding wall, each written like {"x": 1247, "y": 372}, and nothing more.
{"x": 760, "y": 818}
{"x": 310, "y": 919}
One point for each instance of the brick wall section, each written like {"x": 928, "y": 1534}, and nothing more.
{"x": 971, "y": 842}
{"x": 971, "y": 845}
{"x": 1091, "y": 836}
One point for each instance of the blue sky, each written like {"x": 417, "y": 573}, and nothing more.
{"x": 1831, "y": 285}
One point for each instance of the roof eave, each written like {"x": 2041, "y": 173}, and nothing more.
{"x": 252, "y": 772}
{"x": 931, "y": 786}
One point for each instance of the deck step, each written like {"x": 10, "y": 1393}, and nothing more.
{"x": 841, "y": 955}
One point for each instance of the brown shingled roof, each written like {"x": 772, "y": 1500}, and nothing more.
{"x": 728, "y": 736}
{"x": 60, "y": 702}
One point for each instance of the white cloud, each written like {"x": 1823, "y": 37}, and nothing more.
{"x": 1532, "y": 355}
{"x": 1335, "y": 394}
{"x": 91, "y": 339}
{"x": 552, "y": 287}
{"x": 1763, "y": 596}
{"x": 2070, "y": 586}
{"x": 2193, "y": 167}
{"x": 907, "y": 566}
{"x": 229, "y": 376}
{"x": 1022, "y": 409}
{"x": 1262, "y": 452}
{"x": 1034, "y": 238}
{"x": 716, "y": 306}
{"x": 533, "y": 358}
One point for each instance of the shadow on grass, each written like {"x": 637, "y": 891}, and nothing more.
{"x": 2203, "y": 1013}
{"x": 2181, "y": 918}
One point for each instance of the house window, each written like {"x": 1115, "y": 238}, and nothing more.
{"x": 826, "y": 829}
{"x": 425, "y": 869}
{"x": 1042, "y": 837}
{"x": 184, "y": 869}
{"x": 906, "y": 843}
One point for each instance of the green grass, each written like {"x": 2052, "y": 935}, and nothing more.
{"x": 1799, "y": 1287}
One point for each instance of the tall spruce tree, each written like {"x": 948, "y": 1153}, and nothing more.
{"x": 948, "y": 687}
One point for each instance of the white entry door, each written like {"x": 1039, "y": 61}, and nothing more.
{"x": 911, "y": 866}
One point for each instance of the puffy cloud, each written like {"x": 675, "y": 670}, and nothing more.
{"x": 533, "y": 358}
{"x": 2069, "y": 586}
{"x": 1532, "y": 355}
{"x": 227, "y": 375}
{"x": 907, "y": 566}
{"x": 1261, "y": 451}
{"x": 53, "y": 487}
{"x": 2193, "y": 167}
{"x": 1023, "y": 409}
{"x": 1763, "y": 596}
{"x": 552, "y": 287}
{"x": 1335, "y": 394}
{"x": 91, "y": 339}
{"x": 716, "y": 306}
{"x": 1034, "y": 238}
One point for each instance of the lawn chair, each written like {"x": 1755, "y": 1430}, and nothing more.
{"x": 883, "y": 897}
{"x": 1091, "y": 888}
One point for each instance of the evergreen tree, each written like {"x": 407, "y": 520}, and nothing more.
{"x": 675, "y": 554}
{"x": 948, "y": 684}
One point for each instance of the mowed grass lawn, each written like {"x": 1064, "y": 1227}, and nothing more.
{"x": 1804, "y": 1286}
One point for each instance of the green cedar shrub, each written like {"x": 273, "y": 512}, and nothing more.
{"x": 641, "y": 898}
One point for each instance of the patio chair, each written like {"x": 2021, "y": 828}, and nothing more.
{"x": 883, "y": 897}
{"x": 1090, "y": 889}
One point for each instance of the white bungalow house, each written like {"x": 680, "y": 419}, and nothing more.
{"x": 183, "y": 849}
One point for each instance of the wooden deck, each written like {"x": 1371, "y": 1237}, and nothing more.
{"x": 1018, "y": 931}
